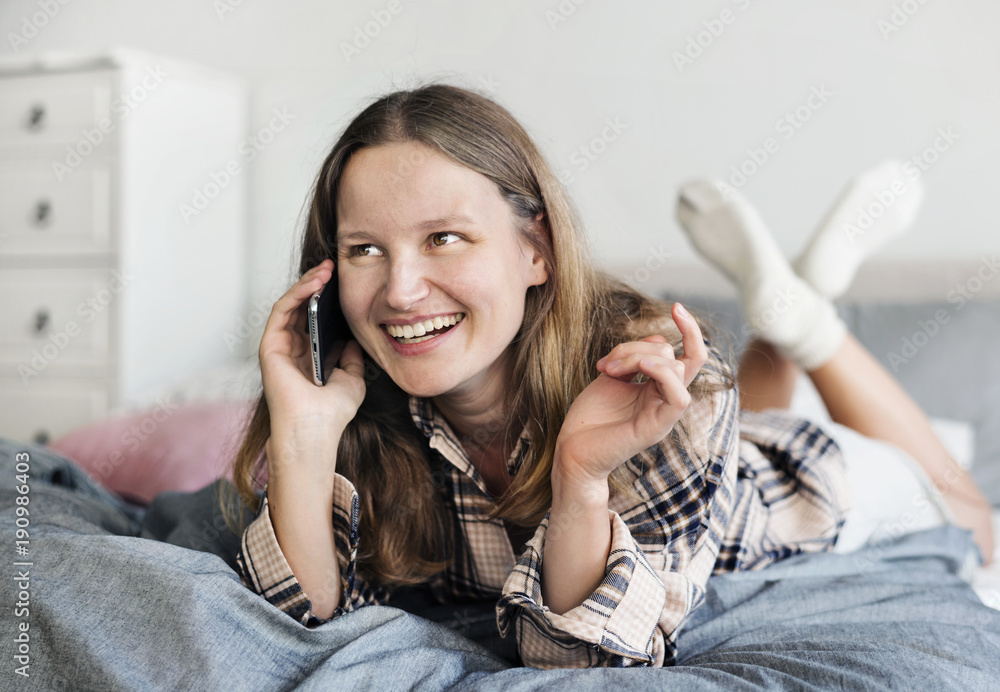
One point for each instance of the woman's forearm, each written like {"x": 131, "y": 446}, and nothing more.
{"x": 301, "y": 515}
{"x": 577, "y": 541}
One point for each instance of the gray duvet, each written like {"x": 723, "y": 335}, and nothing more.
{"x": 120, "y": 598}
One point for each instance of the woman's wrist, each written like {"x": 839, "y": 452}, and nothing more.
{"x": 304, "y": 459}
{"x": 570, "y": 486}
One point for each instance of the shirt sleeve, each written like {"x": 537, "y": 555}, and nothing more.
{"x": 663, "y": 549}
{"x": 264, "y": 570}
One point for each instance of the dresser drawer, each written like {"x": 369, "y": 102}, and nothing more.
{"x": 53, "y": 108}
{"x": 57, "y": 320}
{"x": 48, "y": 409}
{"x": 41, "y": 214}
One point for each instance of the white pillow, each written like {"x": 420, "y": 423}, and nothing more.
{"x": 890, "y": 493}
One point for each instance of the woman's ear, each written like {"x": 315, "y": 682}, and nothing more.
{"x": 540, "y": 234}
{"x": 540, "y": 271}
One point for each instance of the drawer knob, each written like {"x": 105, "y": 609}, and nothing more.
{"x": 42, "y": 319}
{"x": 43, "y": 212}
{"x": 36, "y": 118}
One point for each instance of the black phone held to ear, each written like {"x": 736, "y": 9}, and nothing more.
{"x": 327, "y": 324}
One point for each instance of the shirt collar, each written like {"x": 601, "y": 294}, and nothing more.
{"x": 436, "y": 428}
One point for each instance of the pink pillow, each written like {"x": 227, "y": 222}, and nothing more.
{"x": 168, "y": 447}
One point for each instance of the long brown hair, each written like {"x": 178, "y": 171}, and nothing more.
{"x": 571, "y": 321}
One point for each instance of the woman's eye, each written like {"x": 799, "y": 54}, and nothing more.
{"x": 436, "y": 238}
{"x": 364, "y": 250}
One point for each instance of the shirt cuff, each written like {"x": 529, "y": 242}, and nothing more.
{"x": 616, "y": 626}
{"x": 264, "y": 569}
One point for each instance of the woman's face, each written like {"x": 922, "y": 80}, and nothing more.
{"x": 424, "y": 241}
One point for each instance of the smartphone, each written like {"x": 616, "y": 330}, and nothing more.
{"x": 327, "y": 324}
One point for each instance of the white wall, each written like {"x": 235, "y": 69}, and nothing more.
{"x": 565, "y": 69}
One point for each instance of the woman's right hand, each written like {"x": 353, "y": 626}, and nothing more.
{"x": 306, "y": 419}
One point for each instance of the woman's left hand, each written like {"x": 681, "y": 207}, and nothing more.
{"x": 614, "y": 419}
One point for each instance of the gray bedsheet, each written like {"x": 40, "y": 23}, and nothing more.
{"x": 127, "y": 599}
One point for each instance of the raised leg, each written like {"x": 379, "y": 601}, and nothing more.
{"x": 766, "y": 378}
{"x": 798, "y": 326}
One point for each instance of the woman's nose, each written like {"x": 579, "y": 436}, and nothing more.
{"x": 406, "y": 285}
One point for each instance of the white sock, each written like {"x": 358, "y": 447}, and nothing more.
{"x": 728, "y": 232}
{"x": 876, "y": 207}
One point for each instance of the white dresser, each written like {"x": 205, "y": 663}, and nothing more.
{"x": 122, "y": 233}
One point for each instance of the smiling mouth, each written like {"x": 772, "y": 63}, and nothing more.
{"x": 423, "y": 331}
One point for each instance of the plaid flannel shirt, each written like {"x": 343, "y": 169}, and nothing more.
{"x": 726, "y": 490}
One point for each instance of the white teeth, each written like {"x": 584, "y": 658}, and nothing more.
{"x": 413, "y": 332}
{"x": 417, "y": 341}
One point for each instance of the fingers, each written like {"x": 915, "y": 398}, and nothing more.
{"x": 346, "y": 356}
{"x": 333, "y": 354}
{"x": 285, "y": 313}
{"x": 352, "y": 359}
{"x": 283, "y": 333}
{"x": 695, "y": 353}
{"x": 310, "y": 282}
{"x": 655, "y": 344}
{"x": 666, "y": 374}
{"x": 669, "y": 378}
{"x": 626, "y": 368}
{"x": 623, "y": 360}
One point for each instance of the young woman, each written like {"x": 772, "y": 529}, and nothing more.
{"x": 509, "y": 423}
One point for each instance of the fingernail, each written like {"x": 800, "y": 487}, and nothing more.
{"x": 614, "y": 364}
{"x": 681, "y": 311}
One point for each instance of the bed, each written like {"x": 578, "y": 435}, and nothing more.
{"x": 132, "y": 581}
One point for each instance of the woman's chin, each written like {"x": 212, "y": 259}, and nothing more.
{"x": 424, "y": 388}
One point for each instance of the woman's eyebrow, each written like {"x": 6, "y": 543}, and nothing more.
{"x": 451, "y": 219}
